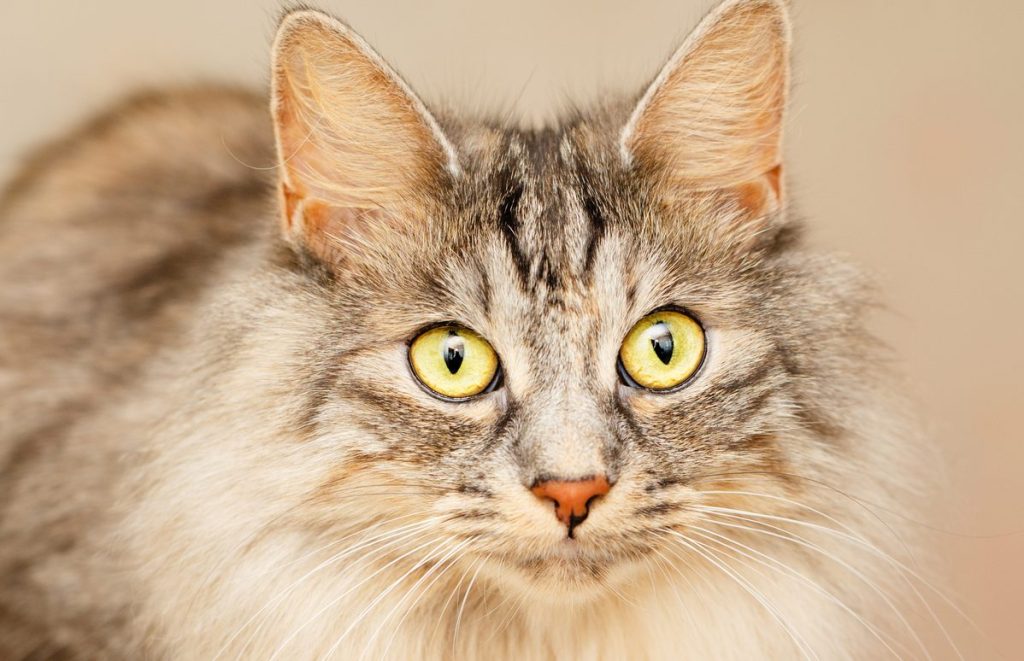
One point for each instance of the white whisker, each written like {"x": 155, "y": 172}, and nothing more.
{"x": 385, "y": 540}
{"x": 384, "y": 593}
{"x": 409, "y": 610}
{"x": 901, "y": 569}
{"x": 665, "y": 566}
{"x": 447, "y": 602}
{"x": 701, "y": 550}
{"x": 505, "y": 621}
{"x": 438, "y": 564}
{"x": 462, "y": 606}
{"x": 776, "y": 565}
{"x": 345, "y": 593}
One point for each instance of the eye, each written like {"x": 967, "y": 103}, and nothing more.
{"x": 454, "y": 362}
{"x": 662, "y": 350}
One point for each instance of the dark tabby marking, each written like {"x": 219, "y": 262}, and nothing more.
{"x": 213, "y": 445}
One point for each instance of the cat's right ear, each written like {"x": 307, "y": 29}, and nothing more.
{"x": 712, "y": 120}
{"x": 357, "y": 150}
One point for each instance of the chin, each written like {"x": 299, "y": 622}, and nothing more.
{"x": 570, "y": 571}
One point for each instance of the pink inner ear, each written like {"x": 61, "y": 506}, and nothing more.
{"x": 327, "y": 230}
{"x": 357, "y": 148}
{"x": 290, "y": 201}
{"x": 712, "y": 119}
{"x": 762, "y": 195}
{"x": 774, "y": 178}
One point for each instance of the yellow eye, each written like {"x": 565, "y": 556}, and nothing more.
{"x": 453, "y": 362}
{"x": 662, "y": 350}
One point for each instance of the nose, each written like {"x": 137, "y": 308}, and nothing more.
{"x": 572, "y": 498}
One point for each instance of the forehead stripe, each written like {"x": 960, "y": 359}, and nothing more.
{"x": 508, "y": 222}
{"x": 597, "y": 228}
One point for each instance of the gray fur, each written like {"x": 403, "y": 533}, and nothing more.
{"x": 184, "y": 393}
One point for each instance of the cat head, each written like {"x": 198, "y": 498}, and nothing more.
{"x": 558, "y": 347}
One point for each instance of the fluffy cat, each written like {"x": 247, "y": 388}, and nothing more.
{"x": 399, "y": 396}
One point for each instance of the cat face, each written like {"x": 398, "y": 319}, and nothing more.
{"x": 558, "y": 345}
{"x": 561, "y": 409}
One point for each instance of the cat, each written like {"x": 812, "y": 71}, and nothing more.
{"x": 441, "y": 388}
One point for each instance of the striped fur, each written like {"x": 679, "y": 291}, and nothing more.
{"x": 212, "y": 445}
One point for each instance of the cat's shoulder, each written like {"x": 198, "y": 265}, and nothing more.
{"x": 158, "y": 174}
{"x": 108, "y": 233}
{"x": 141, "y": 140}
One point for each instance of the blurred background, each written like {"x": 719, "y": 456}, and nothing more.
{"x": 905, "y": 148}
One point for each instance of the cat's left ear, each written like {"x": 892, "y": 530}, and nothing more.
{"x": 358, "y": 151}
{"x": 712, "y": 119}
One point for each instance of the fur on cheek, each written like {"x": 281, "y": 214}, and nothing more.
{"x": 217, "y": 449}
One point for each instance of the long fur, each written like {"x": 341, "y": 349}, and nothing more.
{"x": 213, "y": 447}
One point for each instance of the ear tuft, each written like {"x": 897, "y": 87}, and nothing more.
{"x": 713, "y": 117}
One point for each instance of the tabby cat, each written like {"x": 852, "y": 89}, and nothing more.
{"x": 438, "y": 388}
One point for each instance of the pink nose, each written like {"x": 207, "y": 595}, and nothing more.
{"x": 572, "y": 498}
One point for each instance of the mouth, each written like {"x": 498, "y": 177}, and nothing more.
{"x": 569, "y": 549}
{"x": 581, "y": 567}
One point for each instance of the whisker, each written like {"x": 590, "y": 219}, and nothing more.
{"x": 501, "y": 604}
{"x": 412, "y": 606}
{"x": 380, "y": 597}
{"x": 752, "y": 517}
{"x": 901, "y": 569}
{"x": 702, "y": 550}
{"x": 665, "y": 566}
{"x": 444, "y": 607}
{"x": 864, "y": 506}
{"x": 681, "y": 574}
{"x": 378, "y": 543}
{"x": 867, "y": 505}
{"x": 392, "y": 536}
{"x": 618, "y": 594}
{"x": 341, "y": 596}
{"x": 465, "y": 598}
{"x": 776, "y": 565}
{"x": 827, "y": 517}
{"x": 505, "y": 621}
{"x": 398, "y": 625}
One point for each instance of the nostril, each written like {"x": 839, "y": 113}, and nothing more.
{"x": 572, "y": 498}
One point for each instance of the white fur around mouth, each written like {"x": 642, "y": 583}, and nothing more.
{"x": 569, "y": 549}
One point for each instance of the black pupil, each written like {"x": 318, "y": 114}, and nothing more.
{"x": 661, "y": 341}
{"x": 453, "y": 350}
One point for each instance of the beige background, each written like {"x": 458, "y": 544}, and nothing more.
{"x": 906, "y": 147}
